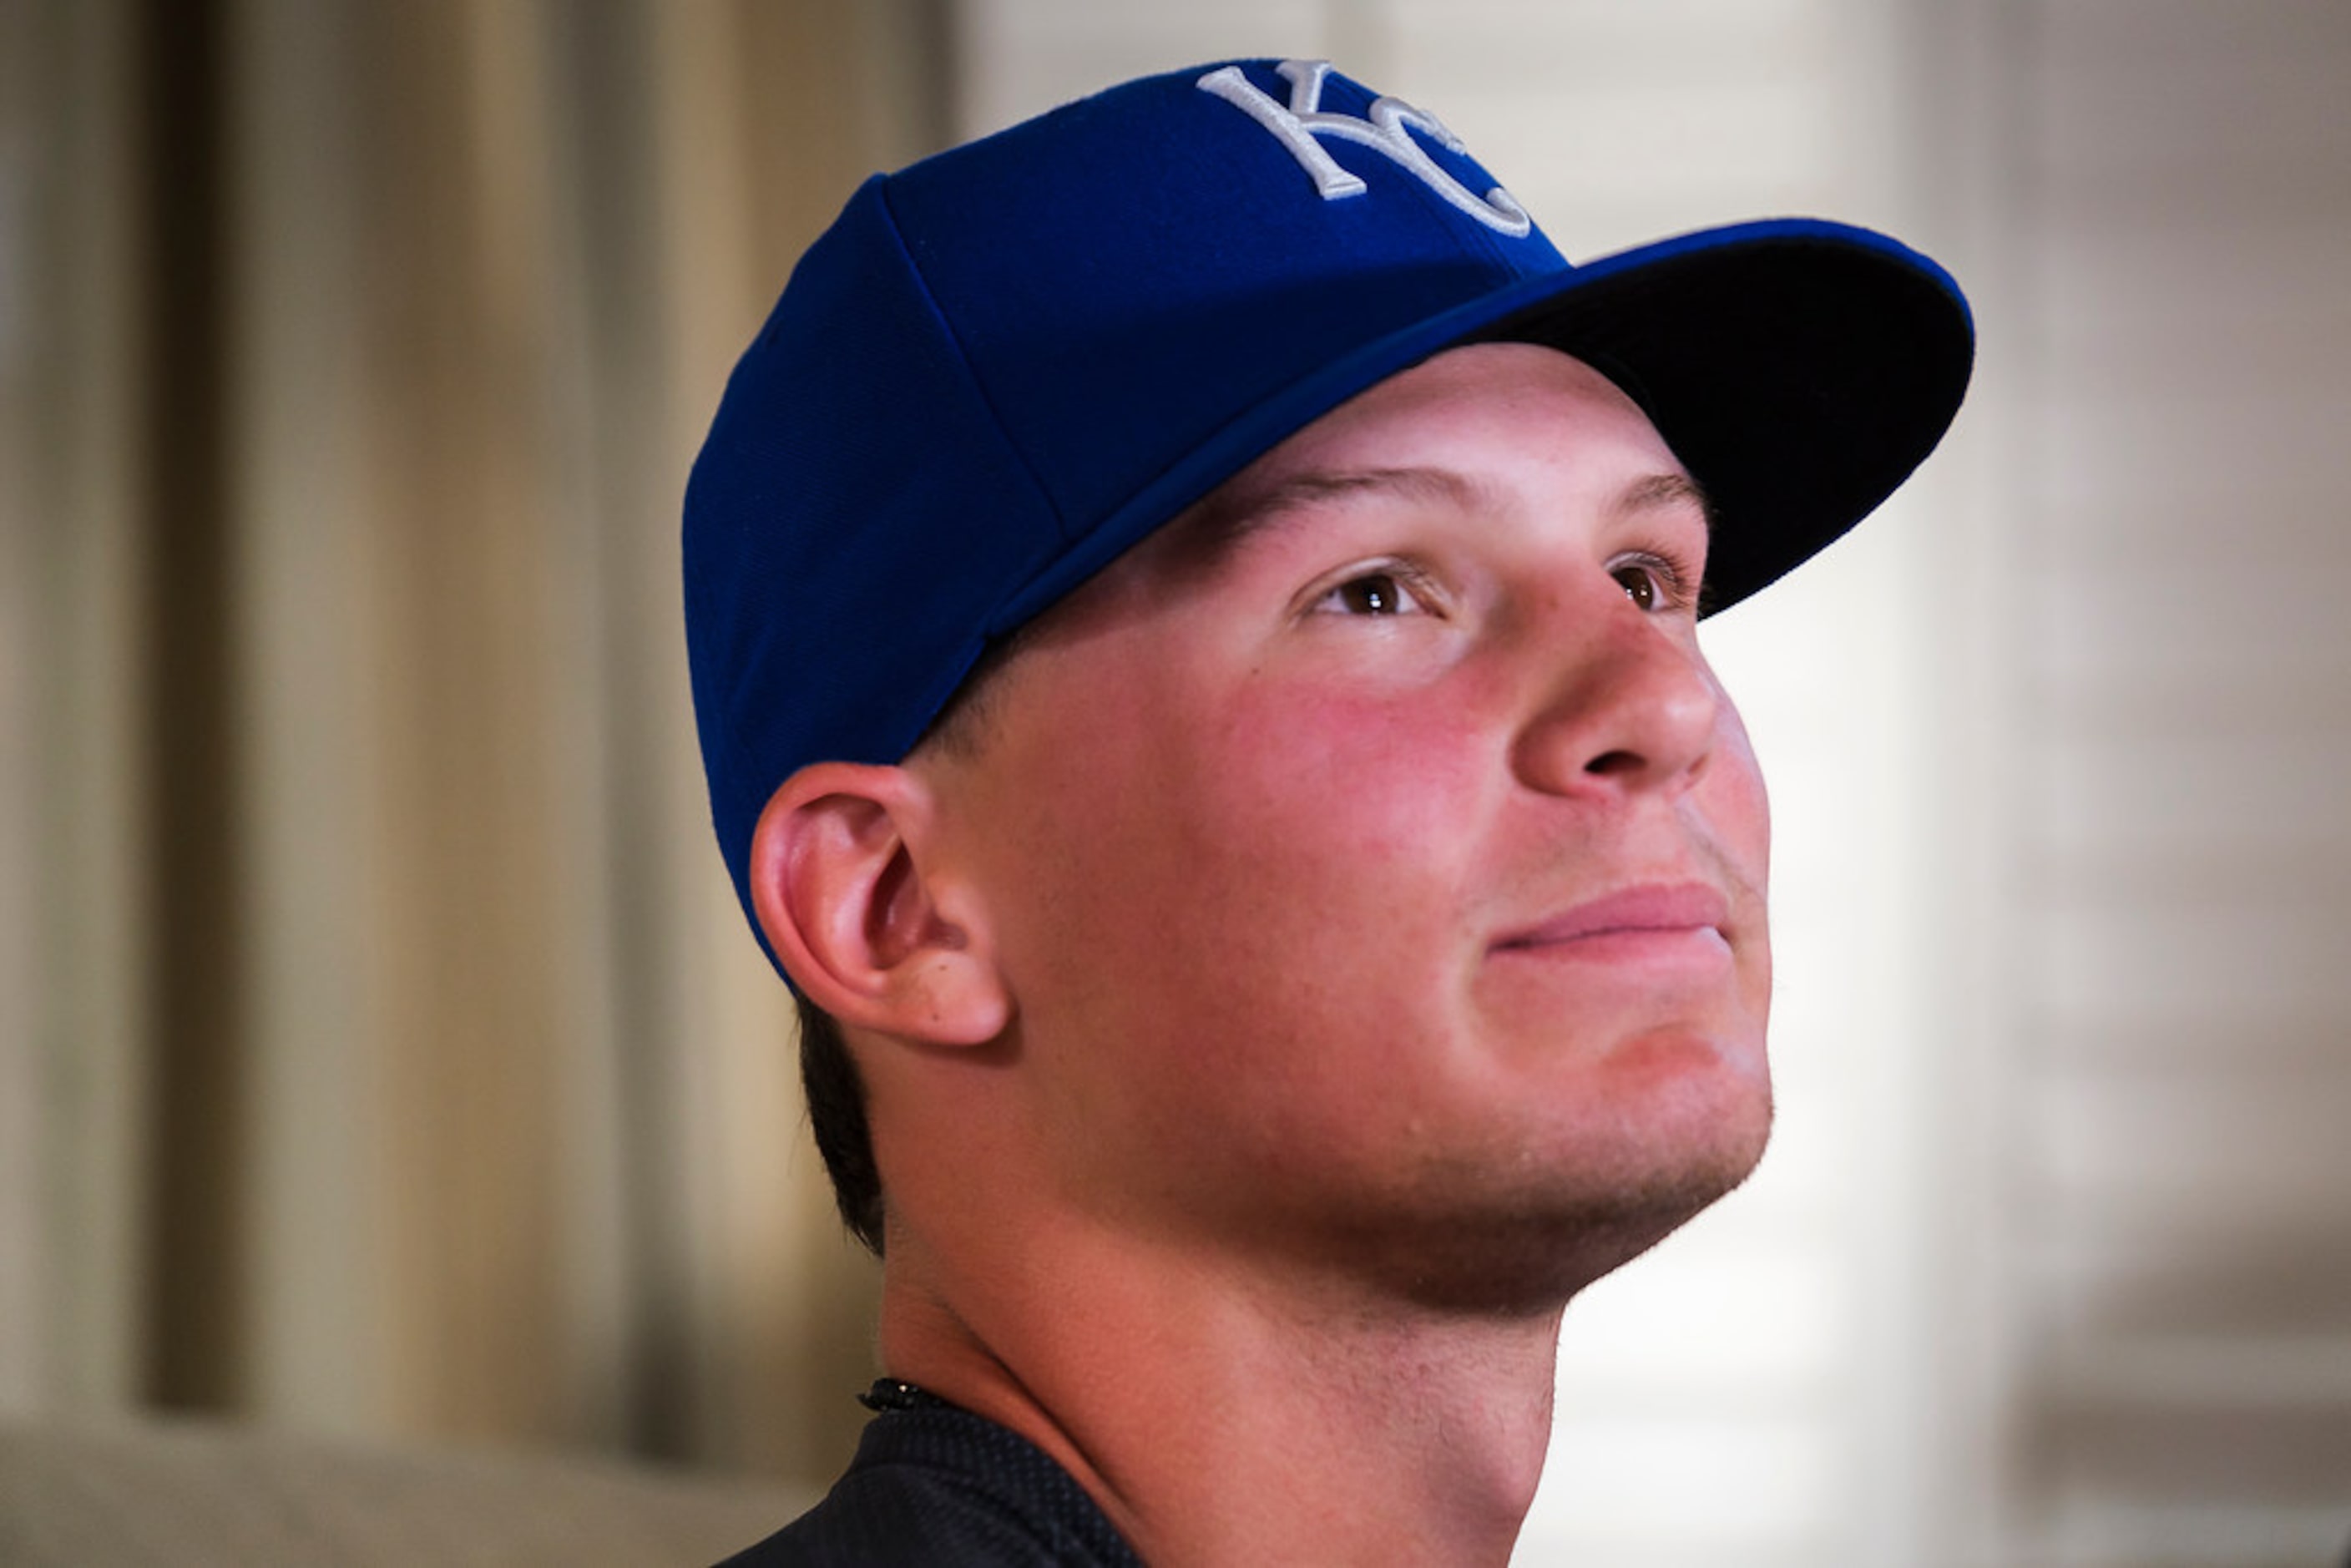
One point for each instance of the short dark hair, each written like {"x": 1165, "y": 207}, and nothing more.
{"x": 828, "y": 1076}
{"x": 836, "y": 1104}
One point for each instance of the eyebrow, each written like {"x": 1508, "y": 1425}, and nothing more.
{"x": 1660, "y": 491}
{"x": 1225, "y": 520}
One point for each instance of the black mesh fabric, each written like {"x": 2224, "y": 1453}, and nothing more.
{"x": 937, "y": 1485}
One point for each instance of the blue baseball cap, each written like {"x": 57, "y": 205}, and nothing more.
{"x": 1004, "y": 365}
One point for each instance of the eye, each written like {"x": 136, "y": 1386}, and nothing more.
{"x": 1387, "y": 592}
{"x": 1653, "y": 583}
{"x": 1640, "y": 584}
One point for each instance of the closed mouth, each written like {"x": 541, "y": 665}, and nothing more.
{"x": 1649, "y": 911}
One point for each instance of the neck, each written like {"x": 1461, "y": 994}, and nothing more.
{"x": 1217, "y": 1414}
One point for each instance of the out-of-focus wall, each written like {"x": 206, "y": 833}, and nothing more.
{"x": 70, "y": 944}
{"x": 383, "y": 1051}
{"x": 2174, "y": 934}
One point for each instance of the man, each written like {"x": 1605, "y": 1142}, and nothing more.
{"x": 1193, "y": 608}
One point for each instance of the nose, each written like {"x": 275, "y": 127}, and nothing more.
{"x": 1622, "y": 706}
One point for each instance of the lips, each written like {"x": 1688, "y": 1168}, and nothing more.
{"x": 1660, "y": 910}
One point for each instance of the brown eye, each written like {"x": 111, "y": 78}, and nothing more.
{"x": 1640, "y": 585}
{"x": 1384, "y": 591}
{"x": 1373, "y": 593}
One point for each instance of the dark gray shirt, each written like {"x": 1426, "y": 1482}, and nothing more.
{"x": 934, "y": 1484}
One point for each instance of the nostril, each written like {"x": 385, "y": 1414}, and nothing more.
{"x": 1609, "y": 763}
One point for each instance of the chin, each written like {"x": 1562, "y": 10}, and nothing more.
{"x": 1528, "y": 1245}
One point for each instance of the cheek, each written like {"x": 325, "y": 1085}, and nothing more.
{"x": 1737, "y": 824}
{"x": 1739, "y": 804}
{"x": 1308, "y": 852}
{"x": 1358, "y": 788}
{"x": 1349, "y": 827}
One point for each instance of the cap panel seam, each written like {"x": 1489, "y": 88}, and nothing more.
{"x": 971, "y": 371}
{"x": 748, "y": 766}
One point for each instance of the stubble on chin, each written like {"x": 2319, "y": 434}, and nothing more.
{"x": 1466, "y": 1245}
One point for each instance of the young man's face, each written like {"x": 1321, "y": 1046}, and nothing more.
{"x": 1376, "y": 867}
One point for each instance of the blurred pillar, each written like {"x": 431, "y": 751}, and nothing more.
{"x": 197, "y": 1104}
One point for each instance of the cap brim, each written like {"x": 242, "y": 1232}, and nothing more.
{"x": 1800, "y": 369}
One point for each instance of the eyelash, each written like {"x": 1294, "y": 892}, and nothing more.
{"x": 1678, "y": 584}
{"x": 1410, "y": 583}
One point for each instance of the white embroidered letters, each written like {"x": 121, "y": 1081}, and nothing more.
{"x": 1384, "y": 131}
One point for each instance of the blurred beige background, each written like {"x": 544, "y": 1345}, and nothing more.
{"x": 381, "y": 1052}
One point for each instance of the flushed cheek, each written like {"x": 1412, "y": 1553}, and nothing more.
{"x": 1328, "y": 844}
{"x": 1345, "y": 830}
{"x": 1378, "y": 775}
{"x": 1305, "y": 855}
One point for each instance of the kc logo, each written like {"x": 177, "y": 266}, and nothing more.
{"x": 1297, "y": 127}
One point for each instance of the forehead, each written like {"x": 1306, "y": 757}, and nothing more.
{"x": 1467, "y": 430}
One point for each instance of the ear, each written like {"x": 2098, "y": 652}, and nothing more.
{"x": 837, "y": 881}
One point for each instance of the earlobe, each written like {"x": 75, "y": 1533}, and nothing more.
{"x": 838, "y": 882}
